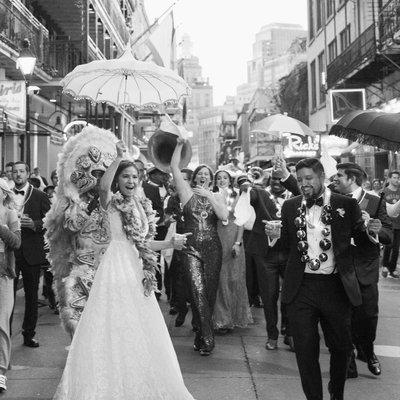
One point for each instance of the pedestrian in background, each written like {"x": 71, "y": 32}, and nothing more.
{"x": 10, "y": 239}
{"x": 32, "y": 206}
{"x": 232, "y": 304}
{"x": 391, "y": 253}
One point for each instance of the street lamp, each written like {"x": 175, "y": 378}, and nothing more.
{"x": 26, "y": 64}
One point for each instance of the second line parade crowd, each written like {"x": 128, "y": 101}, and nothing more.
{"x": 303, "y": 246}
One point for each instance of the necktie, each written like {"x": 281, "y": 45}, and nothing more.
{"x": 22, "y": 192}
{"x": 318, "y": 202}
{"x": 349, "y": 194}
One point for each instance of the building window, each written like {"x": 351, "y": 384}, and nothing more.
{"x": 313, "y": 86}
{"x": 345, "y": 38}
{"x": 320, "y": 14}
{"x": 332, "y": 50}
{"x": 311, "y": 19}
{"x": 321, "y": 72}
{"x": 330, "y": 8}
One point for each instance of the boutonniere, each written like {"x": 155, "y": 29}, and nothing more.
{"x": 341, "y": 212}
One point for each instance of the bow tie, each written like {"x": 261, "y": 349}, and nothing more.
{"x": 22, "y": 192}
{"x": 311, "y": 202}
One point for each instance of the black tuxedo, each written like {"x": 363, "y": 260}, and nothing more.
{"x": 31, "y": 256}
{"x": 367, "y": 266}
{"x": 152, "y": 192}
{"x": 365, "y": 317}
{"x": 325, "y": 299}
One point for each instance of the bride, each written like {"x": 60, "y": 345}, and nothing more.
{"x": 122, "y": 349}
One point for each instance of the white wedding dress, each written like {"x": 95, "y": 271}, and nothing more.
{"x": 121, "y": 349}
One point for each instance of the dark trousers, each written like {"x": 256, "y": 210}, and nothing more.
{"x": 48, "y": 291}
{"x": 364, "y": 320}
{"x": 269, "y": 270}
{"x": 321, "y": 299}
{"x": 30, "y": 279}
{"x": 391, "y": 253}
{"x": 179, "y": 285}
{"x": 253, "y": 290}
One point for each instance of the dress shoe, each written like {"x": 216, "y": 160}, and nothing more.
{"x": 197, "y": 341}
{"x": 173, "y": 311}
{"x": 374, "y": 365}
{"x": 180, "y": 319}
{"x": 31, "y": 342}
{"x": 288, "y": 340}
{"x": 352, "y": 368}
{"x": 207, "y": 346}
{"x": 272, "y": 344}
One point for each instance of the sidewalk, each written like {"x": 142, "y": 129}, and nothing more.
{"x": 239, "y": 369}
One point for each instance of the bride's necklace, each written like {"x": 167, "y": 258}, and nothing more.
{"x": 301, "y": 222}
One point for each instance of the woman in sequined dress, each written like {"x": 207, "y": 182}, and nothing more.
{"x": 232, "y": 305}
{"x": 203, "y": 256}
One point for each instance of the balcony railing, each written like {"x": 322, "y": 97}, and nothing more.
{"x": 63, "y": 55}
{"x": 363, "y": 49}
{"x": 17, "y": 23}
{"x": 389, "y": 21}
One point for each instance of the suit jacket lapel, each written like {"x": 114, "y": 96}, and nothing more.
{"x": 26, "y": 199}
{"x": 335, "y": 227}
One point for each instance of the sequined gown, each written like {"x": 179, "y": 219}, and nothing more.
{"x": 121, "y": 349}
{"x": 232, "y": 304}
{"x": 202, "y": 261}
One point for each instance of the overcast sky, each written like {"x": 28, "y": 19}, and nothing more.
{"x": 223, "y": 32}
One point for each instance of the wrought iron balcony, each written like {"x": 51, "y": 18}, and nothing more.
{"x": 63, "y": 55}
{"x": 389, "y": 24}
{"x": 18, "y": 23}
{"x": 354, "y": 58}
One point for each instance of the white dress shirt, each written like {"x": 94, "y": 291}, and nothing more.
{"x": 19, "y": 199}
{"x": 314, "y": 236}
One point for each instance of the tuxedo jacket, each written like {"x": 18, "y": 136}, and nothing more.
{"x": 152, "y": 192}
{"x": 346, "y": 224}
{"x": 367, "y": 263}
{"x": 265, "y": 209}
{"x": 32, "y": 242}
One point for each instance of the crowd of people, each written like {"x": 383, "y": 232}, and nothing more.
{"x": 303, "y": 247}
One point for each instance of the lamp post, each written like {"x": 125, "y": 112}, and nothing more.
{"x": 26, "y": 64}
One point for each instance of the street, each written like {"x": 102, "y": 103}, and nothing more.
{"x": 240, "y": 367}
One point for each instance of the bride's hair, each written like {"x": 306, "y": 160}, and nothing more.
{"x": 122, "y": 165}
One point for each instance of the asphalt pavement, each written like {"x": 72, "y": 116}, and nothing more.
{"x": 240, "y": 368}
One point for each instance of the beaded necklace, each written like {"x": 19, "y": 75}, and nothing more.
{"x": 325, "y": 244}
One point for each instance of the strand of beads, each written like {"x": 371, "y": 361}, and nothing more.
{"x": 325, "y": 244}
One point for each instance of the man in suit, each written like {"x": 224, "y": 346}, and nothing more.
{"x": 320, "y": 283}
{"x": 156, "y": 191}
{"x": 32, "y": 206}
{"x": 348, "y": 181}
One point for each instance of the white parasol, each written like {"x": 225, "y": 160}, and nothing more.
{"x": 125, "y": 82}
{"x": 281, "y": 124}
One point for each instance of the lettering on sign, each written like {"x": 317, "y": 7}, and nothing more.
{"x": 12, "y": 98}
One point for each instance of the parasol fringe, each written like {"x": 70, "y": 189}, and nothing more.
{"x": 356, "y": 136}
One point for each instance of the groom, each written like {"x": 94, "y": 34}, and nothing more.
{"x": 320, "y": 283}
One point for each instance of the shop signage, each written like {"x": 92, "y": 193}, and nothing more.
{"x": 13, "y": 98}
{"x": 301, "y": 146}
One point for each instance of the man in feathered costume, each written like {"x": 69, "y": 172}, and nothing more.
{"x": 76, "y": 231}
